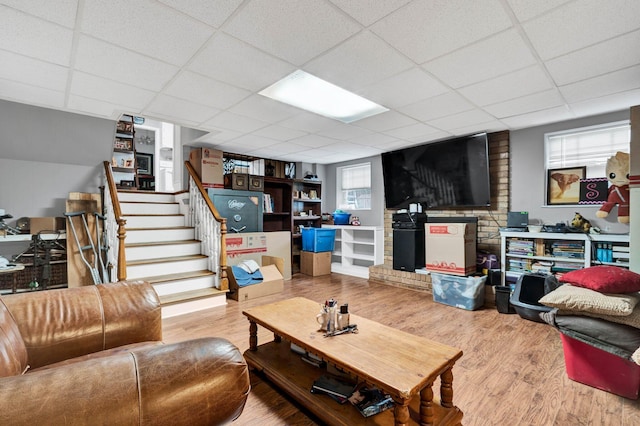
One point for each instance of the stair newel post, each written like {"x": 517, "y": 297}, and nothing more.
{"x": 224, "y": 280}
{"x": 122, "y": 261}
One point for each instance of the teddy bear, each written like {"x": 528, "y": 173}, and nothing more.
{"x": 618, "y": 175}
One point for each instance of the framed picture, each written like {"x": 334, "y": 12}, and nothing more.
{"x": 123, "y": 144}
{"x": 145, "y": 163}
{"x": 563, "y": 185}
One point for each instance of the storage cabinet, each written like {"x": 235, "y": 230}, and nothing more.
{"x": 306, "y": 211}
{"x": 557, "y": 253}
{"x": 123, "y": 160}
{"x": 277, "y": 204}
{"x": 356, "y": 248}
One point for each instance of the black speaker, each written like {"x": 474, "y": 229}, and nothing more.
{"x": 408, "y": 249}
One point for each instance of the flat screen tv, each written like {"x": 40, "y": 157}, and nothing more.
{"x": 453, "y": 173}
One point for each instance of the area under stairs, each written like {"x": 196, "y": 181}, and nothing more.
{"x": 162, "y": 250}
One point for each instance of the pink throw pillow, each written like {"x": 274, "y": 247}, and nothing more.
{"x": 605, "y": 279}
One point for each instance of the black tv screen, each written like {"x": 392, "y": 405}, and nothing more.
{"x": 445, "y": 174}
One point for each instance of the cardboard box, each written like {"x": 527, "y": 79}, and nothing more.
{"x": 208, "y": 165}
{"x": 315, "y": 264}
{"x": 272, "y": 281}
{"x": 450, "y": 248}
{"x": 37, "y": 224}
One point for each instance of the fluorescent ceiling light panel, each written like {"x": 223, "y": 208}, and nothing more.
{"x": 311, "y": 93}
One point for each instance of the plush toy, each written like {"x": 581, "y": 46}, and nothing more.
{"x": 579, "y": 222}
{"x": 618, "y": 175}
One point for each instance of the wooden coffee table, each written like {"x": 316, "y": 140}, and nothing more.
{"x": 403, "y": 365}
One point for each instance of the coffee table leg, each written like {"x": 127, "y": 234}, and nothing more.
{"x": 277, "y": 338}
{"x": 401, "y": 411}
{"x": 426, "y": 405}
{"x": 446, "y": 388}
{"x": 253, "y": 336}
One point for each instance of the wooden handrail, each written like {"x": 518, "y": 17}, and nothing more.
{"x": 224, "y": 280}
{"x": 113, "y": 191}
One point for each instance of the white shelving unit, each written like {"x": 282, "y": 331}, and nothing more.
{"x": 589, "y": 243}
{"x": 356, "y": 248}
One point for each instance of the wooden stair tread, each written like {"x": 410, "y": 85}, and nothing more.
{"x": 177, "y": 276}
{"x": 148, "y": 202}
{"x": 161, "y": 243}
{"x": 166, "y": 259}
{"x": 129, "y": 191}
{"x": 152, "y": 215}
{"x": 175, "y": 298}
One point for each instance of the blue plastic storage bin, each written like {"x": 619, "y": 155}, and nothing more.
{"x": 341, "y": 218}
{"x": 318, "y": 239}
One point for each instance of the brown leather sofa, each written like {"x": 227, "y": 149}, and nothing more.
{"x": 93, "y": 355}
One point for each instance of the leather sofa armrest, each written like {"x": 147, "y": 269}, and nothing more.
{"x": 197, "y": 382}
{"x": 60, "y": 324}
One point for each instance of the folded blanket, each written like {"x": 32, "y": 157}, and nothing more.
{"x": 244, "y": 278}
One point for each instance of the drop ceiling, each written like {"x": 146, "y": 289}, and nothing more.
{"x": 442, "y": 67}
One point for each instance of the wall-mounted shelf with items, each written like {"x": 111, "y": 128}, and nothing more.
{"x": 356, "y": 248}
{"x": 123, "y": 160}
{"x": 557, "y": 253}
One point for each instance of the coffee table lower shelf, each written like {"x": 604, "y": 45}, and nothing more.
{"x": 286, "y": 370}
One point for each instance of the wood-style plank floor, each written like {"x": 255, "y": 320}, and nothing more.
{"x": 512, "y": 371}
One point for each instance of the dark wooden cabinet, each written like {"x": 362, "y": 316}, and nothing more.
{"x": 277, "y": 204}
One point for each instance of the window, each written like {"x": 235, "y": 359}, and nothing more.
{"x": 354, "y": 187}
{"x": 588, "y": 146}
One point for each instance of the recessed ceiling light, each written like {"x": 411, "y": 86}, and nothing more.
{"x": 311, "y": 93}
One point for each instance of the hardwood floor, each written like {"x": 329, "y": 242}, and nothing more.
{"x": 512, "y": 371}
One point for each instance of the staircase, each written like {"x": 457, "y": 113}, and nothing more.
{"x": 162, "y": 250}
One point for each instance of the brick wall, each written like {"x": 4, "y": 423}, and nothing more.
{"x": 489, "y": 220}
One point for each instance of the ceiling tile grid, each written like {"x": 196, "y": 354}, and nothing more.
{"x": 442, "y": 67}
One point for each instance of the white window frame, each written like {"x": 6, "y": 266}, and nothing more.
{"x": 595, "y": 159}
{"x": 340, "y": 191}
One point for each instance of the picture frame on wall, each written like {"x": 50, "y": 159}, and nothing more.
{"x": 145, "y": 163}
{"x": 563, "y": 185}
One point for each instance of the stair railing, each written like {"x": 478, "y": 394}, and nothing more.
{"x": 114, "y": 226}
{"x": 210, "y": 228}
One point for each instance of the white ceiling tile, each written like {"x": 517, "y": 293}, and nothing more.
{"x": 205, "y": 91}
{"x": 530, "y": 103}
{"x": 61, "y": 12}
{"x": 181, "y": 109}
{"x": 604, "y": 104}
{"x": 285, "y": 148}
{"x": 438, "y": 106}
{"x": 31, "y": 71}
{"x": 432, "y": 137}
{"x": 313, "y": 141}
{"x": 398, "y": 144}
{"x": 294, "y": 30}
{"x": 218, "y": 135}
{"x": 601, "y": 58}
{"x": 146, "y": 27}
{"x": 608, "y": 84}
{"x": 374, "y": 139}
{"x": 24, "y": 93}
{"x": 581, "y": 23}
{"x": 359, "y": 61}
{"x": 462, "y": 119}
{"x": 95, "y": 107}
{"x": 385, "y": 121}
{"x": 116, "y": 63}
{"x": 518, "y": 83}
{"x": 414, "y": 131}
{"x": 262, "y": 108}
{"x": 213, "y": 13}
{"x": 426, "y": 29}
{"x": 279, "y": 133}
{"x": 403, "y": 89}
{"x": 491, "y": 57}
{"x": 527, "y": 9}
{"x": 235, "y": 122}
{"x": 235, "y": 62}
{"x": 308, "y": 122}
{"x": 90, "y": 86}
{"x": 49, "y": 42}
{"x": 551, "y": 115}
{"x": 369, "y": 11}
{"x": 254, "y": 141}
{"x": 345, "y": 131}
{"x": 486, "y": 127}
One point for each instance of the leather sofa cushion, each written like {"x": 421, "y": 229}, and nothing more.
{"x": 13, "y": 353}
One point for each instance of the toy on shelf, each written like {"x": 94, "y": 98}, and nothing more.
{"x": 618, "y": 175}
